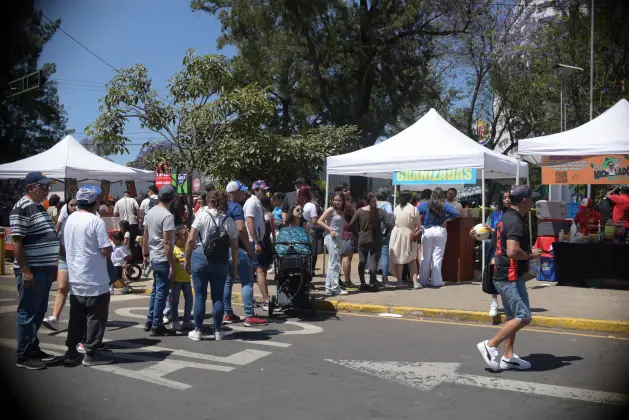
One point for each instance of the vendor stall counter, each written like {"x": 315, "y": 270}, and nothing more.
{"x": 458, "y": 259}
{"x": 577, "y": 262}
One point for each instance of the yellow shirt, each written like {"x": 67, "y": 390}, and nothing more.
{"x": 180, "y": 273}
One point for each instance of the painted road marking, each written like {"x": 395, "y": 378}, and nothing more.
{"x": 426, "y": 376}
{"x": 162, "y": 366}
{"x": 7, "y": 300}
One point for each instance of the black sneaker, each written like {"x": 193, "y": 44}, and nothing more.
{"x": 162, "y": 331}
{"x": 98, "y": 359}
{"x": 71, "y": 360}
{"x": 44, "y": 357}
{"x": 363, "y": 287}
{"x": 147, "y": 326}
{"x": 30, "y": 364}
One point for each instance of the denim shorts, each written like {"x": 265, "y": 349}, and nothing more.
{"x": 515, "y": 299}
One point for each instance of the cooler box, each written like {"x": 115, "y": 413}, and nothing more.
{"x": 547, "y": 269}
{"x": 551, "y": 227}
{"x": 573, "y": 209}
{"x": 551, "y": 209}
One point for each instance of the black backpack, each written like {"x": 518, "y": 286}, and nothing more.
{"x": 217, "y": 244}
{"x": 152, "y": 203}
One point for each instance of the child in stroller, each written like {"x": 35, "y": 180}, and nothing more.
{"x": 132, "y": 268}
{"x": 292, "y": 258}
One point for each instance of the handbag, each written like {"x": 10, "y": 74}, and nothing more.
{"x": 488, "y": 282}
{"x": 416, "y": 234}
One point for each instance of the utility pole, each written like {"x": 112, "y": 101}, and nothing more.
{"x": 589, "y": 186}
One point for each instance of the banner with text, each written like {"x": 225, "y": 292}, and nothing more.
{"x": 605, "y": 169}
{"x": 443, "y": 176}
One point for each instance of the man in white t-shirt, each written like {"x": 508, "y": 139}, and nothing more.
{"x": 145, "y": 205}
{"x": 450, "y": 199}
{"x": 127, "y": 209}
{"x": 256, "y": 228}
{"x": 87, "y": 251}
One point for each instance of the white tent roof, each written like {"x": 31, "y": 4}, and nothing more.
{"x": 429, "y": 144}
{"x": 607, "y": 134}
{"x": 69, "y": 159}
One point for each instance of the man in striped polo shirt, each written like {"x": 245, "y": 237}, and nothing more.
{"x": 36, "y": 248}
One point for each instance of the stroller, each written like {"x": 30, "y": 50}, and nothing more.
{"x": 292, "y": 260}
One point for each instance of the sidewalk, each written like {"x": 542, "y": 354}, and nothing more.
{"x": 552, "y": 306}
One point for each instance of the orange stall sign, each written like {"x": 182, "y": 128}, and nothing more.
{"x": 570, "y": 170}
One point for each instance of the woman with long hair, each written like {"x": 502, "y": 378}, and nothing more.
{"x": 403, "y": 246}
{"x": 63, "y": 280}
{"x": 367, "y": 221}
{"x": 212, "y": 271}
{"x": 305, "y": 199}
{"x": 296, "y": 217}
{"x": 490, "y": 246}
{"x": 435, "y": 213}
{"x": 348, "y": 241}
{"x": 332, "y": 221}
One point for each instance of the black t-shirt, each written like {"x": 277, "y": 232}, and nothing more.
{"x": 511, "y": 227}
{"x": 290, "y": 199}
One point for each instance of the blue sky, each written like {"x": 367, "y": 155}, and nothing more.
{"x": 155, "y": 33}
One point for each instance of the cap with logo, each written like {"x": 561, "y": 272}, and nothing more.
{"x": 586, "y": 203}
{"x": 520, "y": 192}
{"x": 167, "y": 192}
{"x": 235, "y": 186}
{"x": 259, "y": 185}
{"x": 87, "y": 194}
{"x": 36, "y": 178}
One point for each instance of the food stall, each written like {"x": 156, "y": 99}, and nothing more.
{"x": 596, "y": 153}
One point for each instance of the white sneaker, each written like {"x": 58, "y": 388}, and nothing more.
{"x": 177, "y": 326}
{"x": 80, "y": 348}
{"x": 493, "y": 309}
{"x": 417, "y": 286}
{"x": 271, "y": 269}
{"x": 342, "y": 292}
{"x": 514, "y": 363}
{"x": 490, "y": 354}
{"x": 51, "y": 323}
{"x": 265, "y": 306}
{"x": 195, "y": 335}
{"x": 166, "y": 320}
{"x": 219, "y": 335}
{"x": 147, "y": 271}
{"x": 112, "y": 290}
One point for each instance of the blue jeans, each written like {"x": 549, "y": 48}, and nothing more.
{"x": 187, "y": 299}
{"x": 384, "y": 258}
{"x": 245, "y": 275}
{"x": 203, "y": 272}
{"x": 159, "y": 294}
{"x": 31, "y": 308}
{"x": 515, "y": 299}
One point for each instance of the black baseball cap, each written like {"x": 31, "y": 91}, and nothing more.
{"x": 520, "y": 192}
{"x": 624, "y": 189}
{"x": 167, "y": 192}
{"x": 36, "y": 178}
{"x": 299, "y": 180}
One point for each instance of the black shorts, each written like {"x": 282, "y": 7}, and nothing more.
{"x": 119, "y": 272}
{"x": 265, "y": 259}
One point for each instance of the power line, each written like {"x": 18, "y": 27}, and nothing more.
{"x": 75, "y": 40}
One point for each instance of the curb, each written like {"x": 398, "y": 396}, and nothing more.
{"x": 583, "y": 324}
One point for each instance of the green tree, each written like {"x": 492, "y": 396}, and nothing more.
{"x": 33, "y": 121}
{"x": 209, "y": 123}
{"x": 342, "y": 62}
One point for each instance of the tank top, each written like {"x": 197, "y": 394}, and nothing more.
{"x": 336, "y": 222}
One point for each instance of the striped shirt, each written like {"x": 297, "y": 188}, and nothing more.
{"x": 32, "y": 222}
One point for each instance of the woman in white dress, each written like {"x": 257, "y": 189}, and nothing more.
{"x": 402, "y": 249}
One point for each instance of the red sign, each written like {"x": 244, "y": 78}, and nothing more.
{"x": 162, "y": 179}
{"x": 196, "y": 184}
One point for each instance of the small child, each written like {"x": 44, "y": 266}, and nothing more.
{"x": 181, "y": 283}
{"x": 118, "y": 257}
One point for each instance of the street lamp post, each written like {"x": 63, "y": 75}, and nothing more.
{"x": 563, "y": 72}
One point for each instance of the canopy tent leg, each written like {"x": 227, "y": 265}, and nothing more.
{"x": 517, "y": 170}
{"x": 326, "y": 200}
{"x": 394, "y": 195}
{"x": 589, "y": 191}
{"x": 528, "y": 184}
{"x": 483, "y": 220}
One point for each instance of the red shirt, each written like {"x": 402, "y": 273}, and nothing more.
{"x": 621, "y": 208}
{"x": 590, "y": 221}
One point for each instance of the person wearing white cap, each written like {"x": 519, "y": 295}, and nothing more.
{"x": 88, "y": 249}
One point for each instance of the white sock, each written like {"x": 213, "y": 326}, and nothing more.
{"x": 494, "y": 301}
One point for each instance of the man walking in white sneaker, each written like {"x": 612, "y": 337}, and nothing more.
{"x": 513, "y": 251}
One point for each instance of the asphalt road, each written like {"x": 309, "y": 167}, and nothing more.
{"x": 350, "y": 367}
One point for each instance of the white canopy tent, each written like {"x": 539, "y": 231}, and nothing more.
{"x": 429, "y": 144}
{"x": 607, "y": 134}
{"x": 69, "y": 159}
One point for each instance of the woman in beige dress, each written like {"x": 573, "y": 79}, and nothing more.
{"x": 401, "y": 249}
